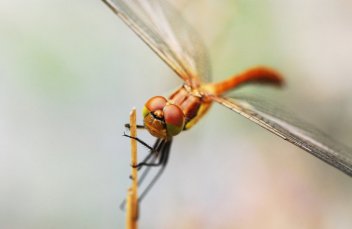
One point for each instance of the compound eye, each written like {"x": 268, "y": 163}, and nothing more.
{"x": 174, "y": 119}
{"x": 153, "y": 104}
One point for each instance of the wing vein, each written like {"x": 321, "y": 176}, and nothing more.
{"x": 334, "y": 153}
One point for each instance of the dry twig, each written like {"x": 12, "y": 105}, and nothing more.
{"x": 132, "y": 194}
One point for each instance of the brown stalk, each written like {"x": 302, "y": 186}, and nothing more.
{"x": 132, "y": 194}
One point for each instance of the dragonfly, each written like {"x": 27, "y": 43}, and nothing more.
{"x": 174, "y": 40}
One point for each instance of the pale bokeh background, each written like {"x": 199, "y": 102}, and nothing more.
{"x": 71, "y": 72}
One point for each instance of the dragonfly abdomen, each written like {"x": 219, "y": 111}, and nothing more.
{"x": 262, "y": 75}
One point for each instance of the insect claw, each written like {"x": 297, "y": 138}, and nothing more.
{"x": 125, "y": 135}
{"x": 138, "y": 166}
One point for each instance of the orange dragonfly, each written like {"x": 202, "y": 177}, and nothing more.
{"x": 163, "y": 29}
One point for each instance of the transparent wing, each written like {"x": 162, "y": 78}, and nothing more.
{"x": 164, "y": 30}
{"x": 298, "y": 133}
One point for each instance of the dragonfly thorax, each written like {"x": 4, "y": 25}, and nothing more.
{"x": 162, "y": 118}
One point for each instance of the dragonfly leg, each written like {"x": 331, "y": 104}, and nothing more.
{"x": 128, "y": 126}
{"x": 139, "y": 140}
{"x": 150, "y": 157}
{"x": 165, "y": 152}
{"x": 156, "y": 154}
{"x": 145, "y": 162}
{"x": 161, "y": 150}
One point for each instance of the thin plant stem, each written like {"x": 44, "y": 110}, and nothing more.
{"x": 132, "y": 194}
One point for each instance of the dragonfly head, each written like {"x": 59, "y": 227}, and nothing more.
{"x": 163, "y": 119}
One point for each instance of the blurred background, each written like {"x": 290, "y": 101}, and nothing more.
{"x": 70, "y": 74}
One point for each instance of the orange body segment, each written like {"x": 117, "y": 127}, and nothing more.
{"x": 253, "y": 75}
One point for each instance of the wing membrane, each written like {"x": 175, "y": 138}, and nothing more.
{"x": 298, "y": 133}
{"x": 163, "y": 29}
